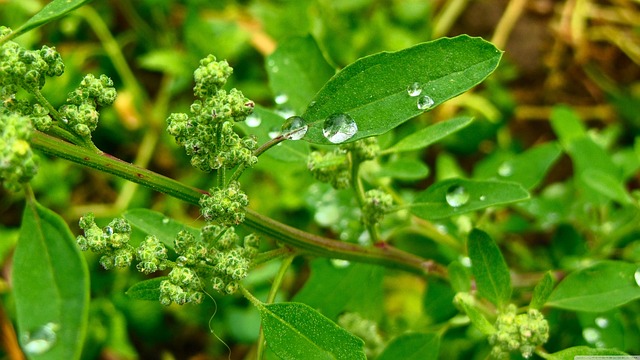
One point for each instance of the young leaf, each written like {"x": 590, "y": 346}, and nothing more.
{"x": 489, "y": 268}
{"x": 542, "y": 291}
{"x": 566, "y": 124}
{"x": 50, "y": 12}
{"x": 458, "y": 196}
{"x": 51, "y": 287}
{"x": 403, "y": 169}
{"x": 598, "y": 288}
{"x": 588, "y": 352}
{"x": 296, "y": 331}
{"x": 607, "y": 185}
{"x": 373, "y": 90}
{"x": 459, "y": 277}
{"x": 438, "y": 300}
{"x": 146, "y": 290}
{"x": 430, "y": 134}
{"x": 297, "y": 70}
{"x": 158, "y": 224}
{"x": 467, "y": 303}
{"x": 413, "y": 346}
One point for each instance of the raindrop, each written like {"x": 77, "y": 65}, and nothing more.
{"x": 457, "y": 196}
{"x": 253, "y": 120}
{"x": 483, "y": 198}
{"x": 312, "y": 104}
{"x": 591, "y": 335}
{"x": 602, "y": 322}
{"x": 41, "y": 340}
{"x": 285, "y": 113}
{"x": 414, "y": 89}
{"x": 425, "y": 102}
{"x": 294, "y": 128}
{"x": 281, "y": 99}
{"x": 165, "y": 221}
{"x": 274, "y": 133}
{"x": 339, "y": 263}
{"x": 637, "y": 276}
{"x": 108, "y": 230}
{"x": 506, "y": 169}
{"x": 339, "y": 128}
{"x": 465, "y": 261}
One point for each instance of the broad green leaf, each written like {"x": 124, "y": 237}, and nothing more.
{"x": 598, "y": 288}
{"x": 413, "y": 346}
{"x": 542, "y": 291}
{"x": 429, "y": 135}
{"x": 438, "y": 300}
{"x": 607, "y": 185}
{"x": 489, "y": 268}
{"x": 373, "y": 90}
{"x": 146, "y": 290}
{"x": 403, "y": 169}
{"x": 468, "y": 304}
{"x": 51, "y": 287}
{"x": 333, "y": 290}
{"x": 157, "y": 224}
{"x": 297, "y": 70}
{"x": 265, "y": 125}
{"x": 566, "y": 124}
{"x": 458, "y": 196}
{"x": 572, "y": 352}
{"x": 50, "y": 12}
{"x": 587, "y": 154}
{"x": 296, "y": 331}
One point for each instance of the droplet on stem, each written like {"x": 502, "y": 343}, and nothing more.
{"x": 294, "y": 128}
{"x": 339, "y": 128}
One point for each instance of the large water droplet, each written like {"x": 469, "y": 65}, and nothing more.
{"x": 424, "y": 102}
{"x": 636, "y": 275}
{"x": 339, "y": 128}
{"x": 294, "y": 128}
{"x": 108, "y": 231}
{"x": 253, "y": 120}
{"x": 506, "y": 169}
{"x": 281, "y": 99}
{"x": 414, "y": 89}
{"x": 457, "y": 196}
{"x": 41, "y": 340}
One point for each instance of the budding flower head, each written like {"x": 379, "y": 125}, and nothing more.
{"x": 522, "y": 332}
{"x": 224, "y": 206}
{"x": 18, "y": 164}
{"x": 376, "y": 204}
{"x": 331, "y": 167}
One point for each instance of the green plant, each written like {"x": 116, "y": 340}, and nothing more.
{"x": 348, "y": 143}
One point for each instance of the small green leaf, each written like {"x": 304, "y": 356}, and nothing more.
{"x": 373, "y": 90}
{"x": 572, "y": 352}
{"x": 50, "y": 12}
{"x": 404, "y": 169}
{"x": 51, "y": 286}
{"x": 438, "y": 300}
{"x": 296, "y": 331}
{"x": 459, "y": 277}
{"x": 566, "y": 124}
{"x": 468, "y": 304}
{"x": 414, "y": 346}
{"x": 297, "y": 70}
{"x": 146, "y": 290}
{"x": 489, "y": 268}
{"x": 429, "y": 135}
{"x": 542, "y": 291}
{"x": 607, "y": 185}
{"x": 458, "y": 196}
{"x": 157, "y": 224}
{"x": 598, "y": 288}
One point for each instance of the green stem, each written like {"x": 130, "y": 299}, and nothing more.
{"x": 358, "y": 189}
{"x": 264, "y": 147}
{"x": 383, "y": 254}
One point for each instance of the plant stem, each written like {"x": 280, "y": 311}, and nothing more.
{"x": 381, "y": 254}
{"x": 358, "y": 189}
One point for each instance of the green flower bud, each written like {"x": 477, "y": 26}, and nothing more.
{"x": 332, "y": 167}
{"x": 376, "y": 204}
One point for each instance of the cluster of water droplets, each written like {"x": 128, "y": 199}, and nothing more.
{"x": 423, "y": 101}
{"x": 40, "y": 340}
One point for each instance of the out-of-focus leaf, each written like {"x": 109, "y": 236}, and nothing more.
{"x": 459, "y": 277}
{"x": 489, "y": 268}
{"x": 572, "y": 352}
{"x": 146, "y": 290}
{"x": 467, "y": 303}
{"x": 567, "y": 124}
{"x": 157, "y": 224}
{"x": 403, "y": 169}
{"x": 413, "y": 346}
{"x": 438, "y": 300}
{"x": 430, "y": 134}
{"x": 542, "y": 291}
{"x": 606, "y": 185}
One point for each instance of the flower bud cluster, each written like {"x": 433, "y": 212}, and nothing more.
{"x": 206, "y": 133}
{"x": 365, "y": 149}
{"x": 376, "y": 204}
{"x": 80, "y": 113}
{"x": 112, "y": 241}
{"x": 17, "y": 161}
{"x": 224, "y": 205}
{"x": 522, "y": 332}
{"x": 366, "y": 330}
{"x": 152, "y": 255}
{"x": 331, "y": 167}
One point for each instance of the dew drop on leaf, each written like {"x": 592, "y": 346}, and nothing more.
{"x": 281, "y": 99}
{"x": 505, "y": 170}
{"x": 165, "y": 220}
{"x": 339, "y": 128}
{"x": 414, "y": 89}
{"x": 424, "y": 102}
{"x": 483, "y": 198}
{"x": 41, "y": 340}
{"x": 339, "y": 263}
{"x": 294, "y": 128}
{"x": 637, "y": 276}
{"x": 602, "y": 322}
{"x": 253, "y": 120}
{"x": 591, "y": 335}
{"x": 457, "y": 196}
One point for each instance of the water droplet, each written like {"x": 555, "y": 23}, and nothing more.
{"x": 285, "y": 113}
{"x": 108, "y": 230}
{"x": 339, "y": 263}
{"x": 636, "y": 275}
{"x": 339, "y": 128}
{"x": 457, "y": 196}
{"x": 602, "y": 322}
{"x": 414, "y": 89}
{"x": 465, "y": 261}
{"x": 281, "y": 99}
{"x": 65, "y": 120}
{"x": 294, "y": 128}
{"x": 591, "y": 335}
{"x": 165, "y": 220}
{"x": 312, "y": 104}
{"x": 425, "y": 102}
{"x": 273, "y": 133}
{"x": 253, "y": 120}
{"x": 506, "y": 169}
{"x": 483, "y": 198}
{"x": 41, "y": 340}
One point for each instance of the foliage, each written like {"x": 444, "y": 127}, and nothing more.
{"x": 342, "y": 182}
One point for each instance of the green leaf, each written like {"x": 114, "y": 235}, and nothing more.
{"x": 438, "y": 300}
{"x": 468, "y": 305}
{"x": 297, "y": 70}
{"x": 296, "y": 331}
{"x": 373, "y": 90}
{"x": 607, "y": 185}
{"x": 50, "y": 12}
{"x": 332, "y": 290}
{"x": 459, "y": 277}
{"x": 157, "y": 224}
{"x": 51, "y": 286}
{"x": 598, "y": 288}
{"x": 458, "y": 196}
{"x": 429, "y": 135}
{"x": 489, "y": 268}
{"x": 542, "y": 291}
{"x": 403, "y": 169}
{"x": 566, "y": 124}
{"x": 572, "y": 352}
{"x": 415, "y": 346}
{"x": 146, "y": 290}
